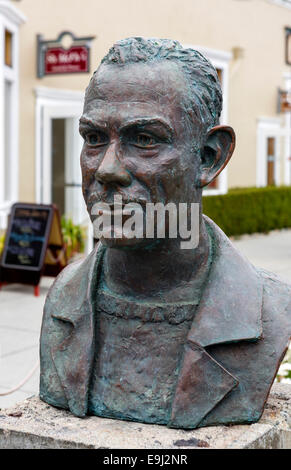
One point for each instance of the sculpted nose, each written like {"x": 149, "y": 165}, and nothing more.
{"x": 111, "y": 170}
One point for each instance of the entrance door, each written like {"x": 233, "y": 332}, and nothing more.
{"x": 58, "y": 172}
{"x": 58, "y": 164}
{"x": 66, "y": 187}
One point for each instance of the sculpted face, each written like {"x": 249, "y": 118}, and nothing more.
{"x": 138, "y": 139}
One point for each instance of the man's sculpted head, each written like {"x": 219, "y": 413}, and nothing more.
{"x": 150, "y": 125}
{"x": 204, "y": 96}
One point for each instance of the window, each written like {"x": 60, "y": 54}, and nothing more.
{"x": 220, "y": 60}
{"x": 270, "y": 161}
{"x": 269, "y": 152}
{"x": 8, "y": 48}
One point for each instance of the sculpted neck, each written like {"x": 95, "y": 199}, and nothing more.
{"x": 164, "y": 273}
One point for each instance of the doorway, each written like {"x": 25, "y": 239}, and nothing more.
{"x": 66, "y": 179}
{"x": 58, "y": 144}
{"x": 58, "y": 164}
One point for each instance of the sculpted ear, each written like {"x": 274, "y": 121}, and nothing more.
{"x": 218, "y": 149}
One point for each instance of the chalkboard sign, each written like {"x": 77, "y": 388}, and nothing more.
{"x": 27, "y": 237}
{"x": 33, "y": 245}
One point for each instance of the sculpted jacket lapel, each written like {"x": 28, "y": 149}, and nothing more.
{"x": 229, "y": 311}
{"x": 73, "y": 357}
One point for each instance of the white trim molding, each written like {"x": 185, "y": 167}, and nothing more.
{"x": 267, "y": 127}
{"x": 10, "y": 19}
{"x": 12, "y": 13}
{"x": 215, "y": 55}
{"x": 52, "y": 104}
{"x": 281, "y": 3}
{"x": 57, "y": 94}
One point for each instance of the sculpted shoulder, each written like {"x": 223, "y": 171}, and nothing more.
{"x": 71, "y": 285}
{"x": 276, "y": 299}
{"x": 63, "y": 279}
{"x": 66, "y": 307}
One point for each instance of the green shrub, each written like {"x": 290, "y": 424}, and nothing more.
{"x": 250, "y": 210}
{"x": 284, "y": 372}
{"x": 74, "y": 237}
{"x": 2, "y": 240}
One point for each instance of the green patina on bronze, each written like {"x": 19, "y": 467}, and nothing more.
{"x": 141, "y": 329}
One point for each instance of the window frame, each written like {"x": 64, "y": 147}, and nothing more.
{"x": 268, "y": 127}
{"x": 10, "y": 19}
{"x": 281, "y": 3}
{"x": 220, "y": 60}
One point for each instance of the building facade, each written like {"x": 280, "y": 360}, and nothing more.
{"x": 246, "y": 40}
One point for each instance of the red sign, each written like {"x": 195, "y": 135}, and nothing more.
{"x": 73, "y": 60}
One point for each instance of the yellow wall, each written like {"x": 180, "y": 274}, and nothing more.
{"x": 256, "y": 26}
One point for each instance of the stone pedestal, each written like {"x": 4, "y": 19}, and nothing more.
{"x": 32, "y": 424}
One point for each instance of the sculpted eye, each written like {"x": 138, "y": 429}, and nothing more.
{"x": 96, "y": 138}
{"x": 144, "y": 140}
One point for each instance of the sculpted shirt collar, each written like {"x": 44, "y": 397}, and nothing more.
{"x": 229, "y": 311}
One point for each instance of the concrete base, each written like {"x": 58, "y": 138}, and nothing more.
{"x": 32, "y": 424}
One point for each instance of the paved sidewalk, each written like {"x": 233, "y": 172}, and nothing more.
{"x": 20, "y": 322}
{"x": 269, "y": 251}
{"x": 21, "y": 313}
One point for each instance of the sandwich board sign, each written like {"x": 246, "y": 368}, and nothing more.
{"x": 33, "y": 245}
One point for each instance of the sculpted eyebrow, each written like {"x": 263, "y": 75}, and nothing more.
{"x": 143, "y": 123}
{"x": 85, "y": 123}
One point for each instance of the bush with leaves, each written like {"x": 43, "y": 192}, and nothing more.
{"x": 284, "y": 372}
{"x": 74, "y": 237}
{"x": 250, "y": 210}
{"x": 2, "y": 240}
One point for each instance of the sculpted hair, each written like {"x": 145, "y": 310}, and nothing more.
{"x": 205, "y": 99}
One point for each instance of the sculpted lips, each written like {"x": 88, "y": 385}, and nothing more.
{"x": 96, "y": 198}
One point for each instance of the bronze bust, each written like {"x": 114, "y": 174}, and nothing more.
{"x": 142, "y": 329}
